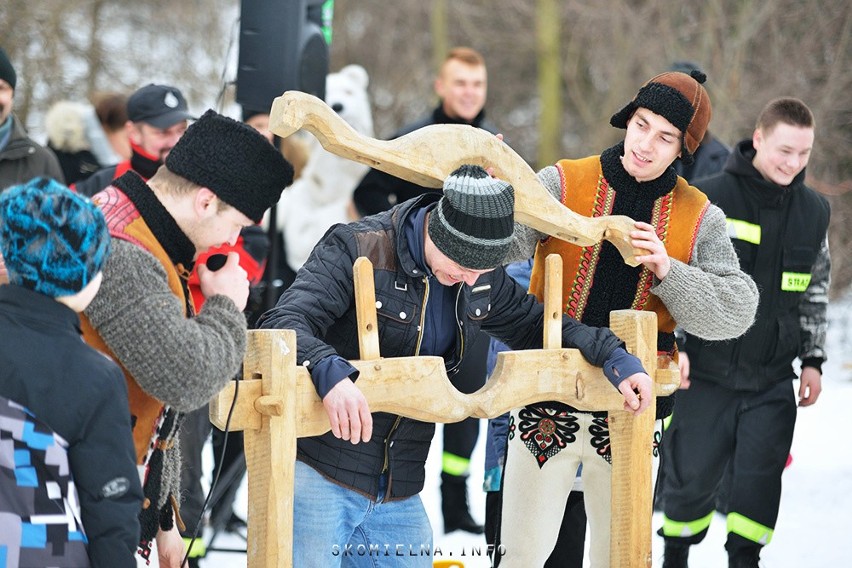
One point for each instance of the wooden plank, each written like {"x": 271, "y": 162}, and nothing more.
{"x": 553, "y": 302}
{"x": 365, "y": 308}
{"x": 428, "y": 155}
{"x": 419, "y": 388}
{"x": 271, "y": 449}
{"x": 630, "y": 443}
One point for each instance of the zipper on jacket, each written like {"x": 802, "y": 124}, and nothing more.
{"x": 422, "y": 317}
{"x": 461, "y": 331}
{"x": 388, "y": 441}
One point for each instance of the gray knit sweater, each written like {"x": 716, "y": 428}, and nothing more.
{"x": 710, "y": 297}
{"x": 180, "y": 361}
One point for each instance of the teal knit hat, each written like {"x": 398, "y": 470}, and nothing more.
{"x": 52, "y": 240}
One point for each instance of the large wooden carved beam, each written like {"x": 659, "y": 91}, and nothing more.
{"x": 428, "y": 155}
{"x": 277, "y": 402}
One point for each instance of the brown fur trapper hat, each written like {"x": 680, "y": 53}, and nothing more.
{"x": 234, "y": 161}
{"x": 679, "y": 98}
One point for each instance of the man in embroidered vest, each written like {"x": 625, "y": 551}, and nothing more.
{"x": 689, "y": 275}
{"x": 220, "y": 177}
{"x": 778, "y": 226}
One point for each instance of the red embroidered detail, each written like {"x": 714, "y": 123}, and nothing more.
{"x": 119, "y": 212}
{"x": 661, "y": 220}
{"x": 694, "y": 236}
{"x": 545, "y": 431}
{"x": 578, "y": 294}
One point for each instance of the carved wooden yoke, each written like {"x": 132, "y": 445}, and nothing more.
{"x": 277, "y": 403}
{"x": 428, "y": 155}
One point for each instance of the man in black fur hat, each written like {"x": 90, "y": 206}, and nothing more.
{"x": 220, "y": 177}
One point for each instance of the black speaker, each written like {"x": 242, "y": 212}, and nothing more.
{"x": 282, "y": 47}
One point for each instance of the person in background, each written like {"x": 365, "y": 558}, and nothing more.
{"x": 75, "y": 135}
{"x": 111, "y": 109}
{"x": 69, "y": 489}
{"x": 252, "y": 248}
{"x": 462, "y": 87}
{"x": 778, "y": 226}
{"x": 259, "y": 120}
{"x": 689, "y": 276}
{"x": 157, "y": 118}
{"x": 709, "y": 159}
{"x": 173, "y": 357}
{"x": 437, "y": 264}
{"x": 711, "y": 154}
{"x": 21, "y": 159}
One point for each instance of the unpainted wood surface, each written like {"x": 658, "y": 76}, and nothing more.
{"x": 428, "y": 155}
{"x": 277, "y": 402}
{"x": 631, "y": 442}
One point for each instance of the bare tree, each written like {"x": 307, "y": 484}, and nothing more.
{"x": 549, "y": 81}
{"x": 751, "y": 50}
{"x": 69, "y": 49}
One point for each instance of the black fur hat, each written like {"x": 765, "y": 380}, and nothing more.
{"x": 232, "y": 160}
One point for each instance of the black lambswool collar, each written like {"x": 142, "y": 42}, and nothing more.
{"x": 636, "y": 200}
{"x": 623, "y": 182}
{"x": 440, "y": 117}
{"x": 175, "y": 242}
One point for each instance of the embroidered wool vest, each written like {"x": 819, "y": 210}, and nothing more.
{"x": 676, "y": 216}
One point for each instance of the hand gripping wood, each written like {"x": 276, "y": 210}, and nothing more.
{"x": 277, "y": 402}
{"x": 428, "y": 155}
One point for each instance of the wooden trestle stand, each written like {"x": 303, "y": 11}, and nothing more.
{"x": 276, "y": 403}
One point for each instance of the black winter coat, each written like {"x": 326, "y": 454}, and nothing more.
{"x": 320, "y": 307}
{"x": 81, "y": 395}
{"x": 22, "y": 159}
{"x": 791, "y": 222}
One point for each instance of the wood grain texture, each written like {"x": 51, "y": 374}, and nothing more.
{"x": 276, "y": 403}
{"x": 428, "y": 155}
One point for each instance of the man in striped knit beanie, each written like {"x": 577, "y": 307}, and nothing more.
{"x": 437, "y": 266}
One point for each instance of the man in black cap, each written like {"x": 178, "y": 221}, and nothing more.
{"x": 21, "y": 159}
{"x": 220, "y": 177}
{"x": 157, "y": 118}
{"x": 437, "y": 264}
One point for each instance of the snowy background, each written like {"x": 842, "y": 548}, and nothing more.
{"x": 816, "y": 506}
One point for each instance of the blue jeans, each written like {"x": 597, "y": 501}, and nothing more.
{"x": 334, "y": 526}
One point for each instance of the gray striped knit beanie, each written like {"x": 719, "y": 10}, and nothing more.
{"x": 474, "y": 220}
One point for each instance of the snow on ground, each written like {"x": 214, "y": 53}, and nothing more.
{"x": 816, "y": 506}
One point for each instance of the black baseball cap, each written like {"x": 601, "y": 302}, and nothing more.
{"x": 160, "y": 106}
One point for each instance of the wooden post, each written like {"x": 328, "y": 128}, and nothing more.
{"x": 630, "y": 442}
{"x": 553, "y": 302}
{"x": 265, "y": 408}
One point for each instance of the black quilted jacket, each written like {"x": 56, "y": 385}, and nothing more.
{"x": 320, "y": 307}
